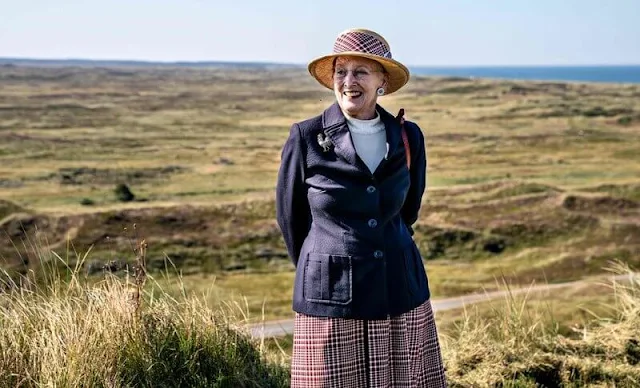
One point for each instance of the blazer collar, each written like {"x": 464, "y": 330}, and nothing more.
{"x": 335, "y": 127}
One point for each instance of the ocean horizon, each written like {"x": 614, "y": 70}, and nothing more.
{"x": 607, "y": 74}
{"x": 566, "y": 73}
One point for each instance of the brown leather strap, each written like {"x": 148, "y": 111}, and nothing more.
{"x": 405, "y": 138}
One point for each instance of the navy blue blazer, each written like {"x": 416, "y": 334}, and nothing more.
{"x": 347, "y": 230}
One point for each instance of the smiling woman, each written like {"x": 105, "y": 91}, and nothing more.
{"x": 357, "y": 82}
{"x": 346, "y": 203}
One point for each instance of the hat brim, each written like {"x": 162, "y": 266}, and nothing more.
{"x": 322, "y": 69}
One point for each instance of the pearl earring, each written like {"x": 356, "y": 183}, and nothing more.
{"x": 380, "y": 91}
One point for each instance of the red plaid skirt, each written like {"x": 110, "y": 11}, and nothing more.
{"x": 397, "y": 352}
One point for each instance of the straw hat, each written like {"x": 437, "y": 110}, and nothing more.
{"x": 362, "y": 43}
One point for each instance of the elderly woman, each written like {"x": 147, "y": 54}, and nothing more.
{"x": 349, "y": 190}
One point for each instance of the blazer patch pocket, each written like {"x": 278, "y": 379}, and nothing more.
{"x": 328, "y": 278}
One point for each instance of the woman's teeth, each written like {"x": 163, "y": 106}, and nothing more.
{"x": 352, "y": 94}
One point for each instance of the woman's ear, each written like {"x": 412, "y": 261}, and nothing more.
{"x": 386, "y": 80}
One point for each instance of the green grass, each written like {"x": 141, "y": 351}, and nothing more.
{"x": 200, "y": 149}
{"x": 519, "y": 343}
{"x": 63, "y": 328}
{"x": 71, "y": 116}
{"x": 521, "y": 231}
{"x": 60, "y": 330}
{"x": 578, "y": 336}
{"x": 261, "y": 296}
{"x": 566, "y": 310}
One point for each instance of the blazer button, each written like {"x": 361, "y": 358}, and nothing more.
{"x": 378, "y": 254}
{"x": 371, "y": 189}
{"x": 373, "y": 223}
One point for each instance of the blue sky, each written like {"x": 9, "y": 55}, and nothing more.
{"x": 421, "y": 32}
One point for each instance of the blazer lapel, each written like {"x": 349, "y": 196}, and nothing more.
{"x": 336, "y": 129}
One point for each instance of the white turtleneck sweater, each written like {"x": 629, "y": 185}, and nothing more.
{"x": 369, "y": 139}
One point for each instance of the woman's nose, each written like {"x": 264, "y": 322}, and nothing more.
{"x": 349, "y": 78}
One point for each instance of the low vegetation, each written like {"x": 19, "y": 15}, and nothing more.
{"x": 60, "y": 330}
{"x": 584, "y": 335}
{"x": 468, "y": 236}
{"x": 516, "y": 342}
{"x": 534, "y": 181}
{"x": 511, "y": 346}
{"x": 63, "y": 329}
{"x": 528, "y": 182}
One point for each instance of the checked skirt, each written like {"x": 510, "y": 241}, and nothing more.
{"x": 400, "y": 351}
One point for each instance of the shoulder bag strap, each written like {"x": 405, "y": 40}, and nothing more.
{"x": 405, "y": 138}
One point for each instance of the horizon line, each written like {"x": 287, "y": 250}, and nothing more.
{"x": 296, "y": 64}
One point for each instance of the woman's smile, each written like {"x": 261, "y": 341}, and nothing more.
{"x": 355, "y": 81}
{"x": 352, "y": 94}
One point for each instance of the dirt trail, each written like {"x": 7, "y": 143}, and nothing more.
{"x": 284, "y": 327}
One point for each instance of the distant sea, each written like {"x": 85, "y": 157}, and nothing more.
{"x": 615, "y": 74}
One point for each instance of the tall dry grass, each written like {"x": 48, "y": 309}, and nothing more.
{"x": 514, "y": 345}
{"x": 60, "y": 330}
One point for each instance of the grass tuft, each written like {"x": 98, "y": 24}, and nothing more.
{"x": 66, "y": 332}
{"x": 515, "y": 345}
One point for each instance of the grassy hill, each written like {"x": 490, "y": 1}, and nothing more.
{"x": 529, "y": 182}
{"x": 127, "y": 331}
{"x": 533, "y": 181}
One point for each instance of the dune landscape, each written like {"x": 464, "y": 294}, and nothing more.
{"x": 529, "y": 183}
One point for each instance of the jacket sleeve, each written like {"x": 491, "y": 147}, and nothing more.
{"x": 418, "y": 174}
{"x": 292, "y": 208}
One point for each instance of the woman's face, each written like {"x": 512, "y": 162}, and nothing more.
{"x": 355, "y": 82}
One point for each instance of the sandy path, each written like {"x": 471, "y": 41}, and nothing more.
{"x": 284, "y": 327}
